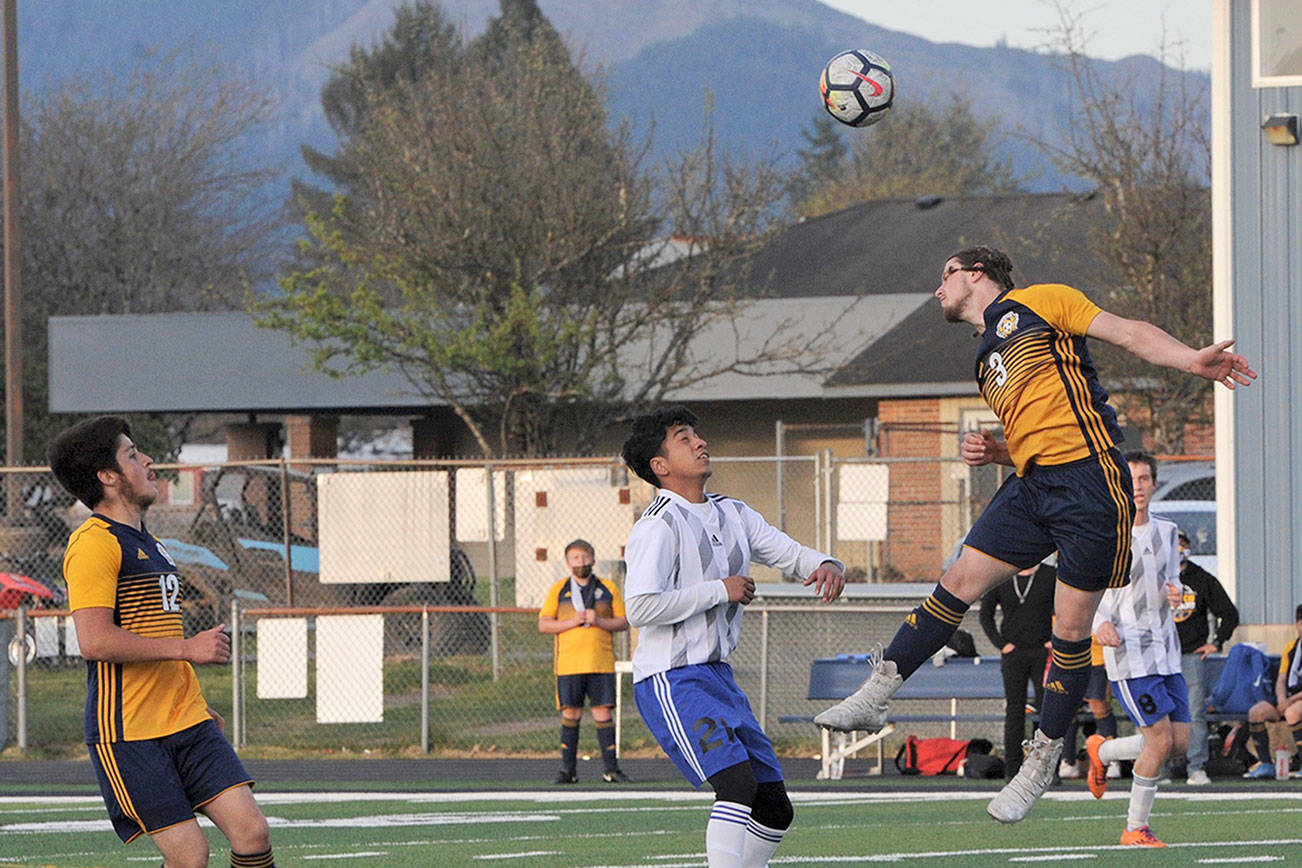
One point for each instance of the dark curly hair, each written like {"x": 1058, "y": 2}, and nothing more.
{"x": 991, "y": 260}
{"x": 79, "y": 453}
{"x": 648, "y": 438}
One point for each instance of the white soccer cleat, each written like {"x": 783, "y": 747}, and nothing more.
{"x": 865, "y": 709}
{"x": 1019, "y": 795}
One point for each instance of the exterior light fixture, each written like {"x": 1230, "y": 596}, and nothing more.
{"x": 1281, "y": 129}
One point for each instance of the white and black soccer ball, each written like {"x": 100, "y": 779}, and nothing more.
{"x": 857, "y": 87}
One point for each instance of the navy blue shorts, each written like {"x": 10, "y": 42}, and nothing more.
{"x": 1084, "y": 510}
{"x": 598, "y": 687}
{"x": 152, "y": 784}
{"x": 1153, "y": 697}
{"x": 703, "y": 722}
{"x": 1097, "y": 688}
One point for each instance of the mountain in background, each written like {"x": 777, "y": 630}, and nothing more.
{"x": 758, "y": 60}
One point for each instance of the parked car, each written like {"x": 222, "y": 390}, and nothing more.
{"x": 1197, "y": 518}
{"x": 1185, "y": 480}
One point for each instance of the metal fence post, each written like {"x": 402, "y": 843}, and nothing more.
{"x": 780, "y": 440}
{"x": 6, "y": 635}
{"x": 237, "y": 677}
{"x": 20, "y": 632}
{"x": 494, "y": 620}
{"x": 424, "y": 679}
{"x": 764, "y": 669}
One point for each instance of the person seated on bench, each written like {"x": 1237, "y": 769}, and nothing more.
{"x": 1022, "y": 637}
{"x": 1287, "y": 707}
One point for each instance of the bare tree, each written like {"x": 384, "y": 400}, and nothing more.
{"x": 916, "y": 151}
{"x": 138, "y": 196}
{"x": 1140, "y": 137}
{"x": 502, "y": 247}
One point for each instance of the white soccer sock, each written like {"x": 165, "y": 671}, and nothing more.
{"x": 1115, "y": 749}
{"x": 761, "y": 842}
{"x": 725, "y": 834}
{"x": 1142, "y": 791}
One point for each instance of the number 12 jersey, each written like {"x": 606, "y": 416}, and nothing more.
{"x": 114, "y": 566}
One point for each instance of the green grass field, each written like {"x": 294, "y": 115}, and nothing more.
{"x": 835, "y": 825}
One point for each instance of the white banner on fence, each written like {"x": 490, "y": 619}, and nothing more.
{"x": 553, "y": 507}
{"x": 350, "y": 669}
{"x": 863, "y": 491}
{"x": 282, "y": 658}
{"x": 71, "y": 646}
{"x": 383, "y": 527}
{"x": 472, "y": 504}
{"x": 47, "y": 636}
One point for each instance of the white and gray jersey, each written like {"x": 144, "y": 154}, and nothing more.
{"x": 1141, "y": 611}
{"x": 677, "y": 556}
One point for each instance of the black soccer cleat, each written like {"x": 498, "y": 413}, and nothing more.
{"x": 564, "y": 777}
{"x": 616, "y": 777}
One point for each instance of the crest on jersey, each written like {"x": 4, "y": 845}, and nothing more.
{"x": 1007, "y": 324}
{"x": 163, "y": 551}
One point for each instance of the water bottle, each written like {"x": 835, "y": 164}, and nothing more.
{"x": 1281, "y": 764}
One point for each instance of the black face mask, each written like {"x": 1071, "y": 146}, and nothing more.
{"x": 583, "y": 572}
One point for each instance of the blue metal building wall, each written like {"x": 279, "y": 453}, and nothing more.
{"x": 1266, "y": 306}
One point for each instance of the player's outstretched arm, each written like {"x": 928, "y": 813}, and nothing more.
{"x": 1152, "y": 344}
{"x": 978, "y": 448}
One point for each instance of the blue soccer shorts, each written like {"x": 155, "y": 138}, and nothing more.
{"x": 155, "y": 783}
{"x": 1153, "y": 697}
{"x": 1084, "y": 510}
{"x": 704, "y": 723}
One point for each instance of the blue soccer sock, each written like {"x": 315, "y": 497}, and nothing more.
{"x": 926, "y": 630}
{"x": 1069, "y": 675}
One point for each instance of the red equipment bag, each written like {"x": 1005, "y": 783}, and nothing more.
{"x": 930, "y": 756}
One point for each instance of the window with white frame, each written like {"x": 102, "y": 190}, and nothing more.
{"x": 1276, "y": 43}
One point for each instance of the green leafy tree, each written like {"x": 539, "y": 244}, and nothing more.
{"x": 917, "y": 150}
{"x": 499, "y": 245}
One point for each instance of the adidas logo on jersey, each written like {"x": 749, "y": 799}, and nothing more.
{"x": 1055, "y": 687}
{"x": 912, "y": 620}
{"x": 141, "y": 556}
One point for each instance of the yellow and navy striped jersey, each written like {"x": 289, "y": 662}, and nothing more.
{"x": 1288, "y": 663}
{"x": 585, "y": 649}
{"x": 1035, "y": 372}
{"x": 114, "y": 566}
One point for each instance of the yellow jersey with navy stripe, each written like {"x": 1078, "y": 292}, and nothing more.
{"x": 1035, "y": 372}
{"x": 583, "y": 649}
{"x": 114, "y": 566}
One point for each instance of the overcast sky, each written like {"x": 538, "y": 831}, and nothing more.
{"x": 1119, "y": 27}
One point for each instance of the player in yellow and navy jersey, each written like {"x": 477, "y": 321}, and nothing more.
{"x": 157, "y": 748}
{"x": 1071, "y": 492}
{"x": 582, "y": 612}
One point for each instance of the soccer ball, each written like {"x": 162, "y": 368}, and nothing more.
{"x": 857, "y": 87}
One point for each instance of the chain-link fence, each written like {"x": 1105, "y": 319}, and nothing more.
{"x": 436, "y": 569}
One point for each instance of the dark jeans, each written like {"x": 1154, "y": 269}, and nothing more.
{"x": 1018, "y": 667}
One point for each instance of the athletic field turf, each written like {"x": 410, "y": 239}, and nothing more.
{"x": 589, "y": 828}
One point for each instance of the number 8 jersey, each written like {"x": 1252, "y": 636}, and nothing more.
{"x": 114, "y": 566}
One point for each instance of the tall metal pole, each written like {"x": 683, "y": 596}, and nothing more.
{"x": 13, "y": 259}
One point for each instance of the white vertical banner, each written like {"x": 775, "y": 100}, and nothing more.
{"x": 350, "y": 669}
{"x": 387, "y": 526}
{"x": 472, "y": 504}
{"x": 47, "y": 636}
{"x": 71, "y": 646}
{"x": 282, "y": 658}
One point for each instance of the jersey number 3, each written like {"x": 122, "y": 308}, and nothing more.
{"x": 170, "y": 586}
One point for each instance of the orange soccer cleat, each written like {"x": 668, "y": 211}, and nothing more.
{"x": 1097, "y": 777}
{"x": 1141, "y": 837}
